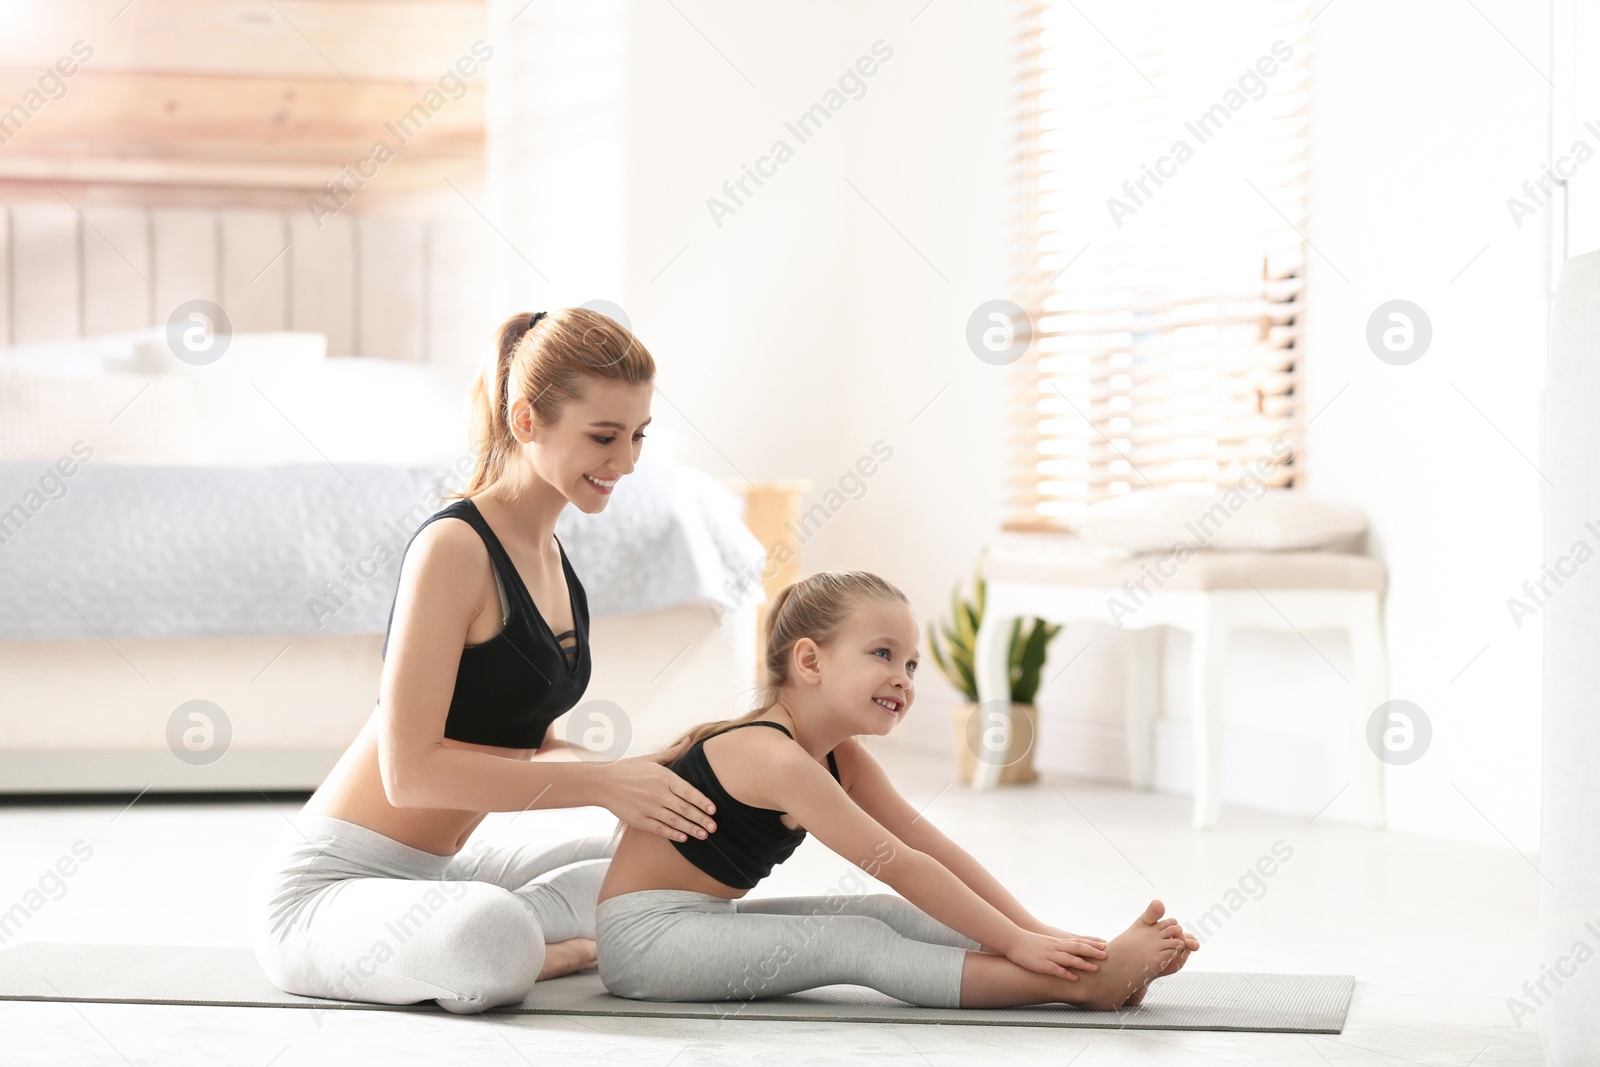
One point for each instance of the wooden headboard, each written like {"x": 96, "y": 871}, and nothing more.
{"x": 395, "y": 286}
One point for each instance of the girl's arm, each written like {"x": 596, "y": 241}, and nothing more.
{"x": 871, "y": 789}
{"x": 782, "y": 775}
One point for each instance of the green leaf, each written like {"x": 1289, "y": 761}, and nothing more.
{"x": 938, "y": 656}
{"x": 973, "y": 619}
{"x": 1027, "y": 682}
{"x": 969, "y": 683}
{"x": 965, "y": 627}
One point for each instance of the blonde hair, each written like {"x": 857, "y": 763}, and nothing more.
{"x": 549, "y": 365}
{"x": 817, "y": 607}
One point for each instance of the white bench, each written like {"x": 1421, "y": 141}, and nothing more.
{"x": 1209, "y": 594}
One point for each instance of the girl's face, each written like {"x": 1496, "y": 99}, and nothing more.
{"x": 874, "y": 658}
{"x": 597, "y": 441}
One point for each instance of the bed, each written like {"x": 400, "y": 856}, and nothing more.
{"x": 197, "y": 561}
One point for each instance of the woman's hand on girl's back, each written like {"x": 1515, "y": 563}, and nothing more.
{"x": 672, "y": 752}
{"x": 648, "y": 796}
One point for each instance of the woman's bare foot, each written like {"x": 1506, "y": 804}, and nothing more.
{"x": 567, "y": 957}
{"x": 1151, "y": 947}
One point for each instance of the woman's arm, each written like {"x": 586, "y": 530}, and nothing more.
{"x": 559, "y": 749}
{"x": 445, "y": 582}
{"x": 792, "y": 781}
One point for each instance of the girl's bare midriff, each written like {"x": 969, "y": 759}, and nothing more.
{"x": 353, "y": 790}
{"x": 649, "y": 861}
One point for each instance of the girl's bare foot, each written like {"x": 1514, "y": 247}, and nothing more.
{"x": 567, "y": 957}
{"x": 1174, "y": 929}
{"x": 1143, "y": 952}
{"x": 1177, "y": 963}
{"x": 1152, "y": 946}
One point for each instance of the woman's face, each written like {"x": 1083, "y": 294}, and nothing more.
{"x": 874, "y": 656}
{"x": 597, "y": 441}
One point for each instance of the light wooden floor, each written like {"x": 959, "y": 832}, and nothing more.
{"x": 1438, "y": 934}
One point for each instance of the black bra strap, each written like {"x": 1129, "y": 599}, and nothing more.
{"x": 758, "y": 722}
{"x": 833, "y": 766}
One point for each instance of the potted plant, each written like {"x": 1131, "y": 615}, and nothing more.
{"x": 1026, "y": 657}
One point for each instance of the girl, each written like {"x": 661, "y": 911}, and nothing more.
{"x": 371, "y": 897}
{"x": 841, "y": 657}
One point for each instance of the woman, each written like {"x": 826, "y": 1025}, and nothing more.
{"x": 371, "y": 898}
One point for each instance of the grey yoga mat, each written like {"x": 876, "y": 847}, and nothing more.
{"x": 230, "y": 976}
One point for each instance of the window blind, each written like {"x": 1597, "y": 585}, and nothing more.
{"x": 1163, "y": 164}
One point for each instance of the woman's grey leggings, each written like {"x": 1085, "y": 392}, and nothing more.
{"x": 347, "y": 913}
{"x": 677, "y": 944}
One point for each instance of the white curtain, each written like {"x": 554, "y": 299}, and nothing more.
{"x": 1567, "y": 1009}
{"x": 556, "y": 182}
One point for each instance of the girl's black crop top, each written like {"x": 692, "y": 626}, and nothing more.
{"x": 748, "y": 841}
{"x": 510, "y": 688}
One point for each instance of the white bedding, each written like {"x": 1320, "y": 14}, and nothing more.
{"x": 150, "y": 551}
{"x": 277, "y": 499}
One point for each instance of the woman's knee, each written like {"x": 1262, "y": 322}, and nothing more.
{"x": 492, "y": 933}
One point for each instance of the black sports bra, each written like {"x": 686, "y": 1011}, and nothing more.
{"x": 748, "y": 841}
{"x": 510, "y": 688}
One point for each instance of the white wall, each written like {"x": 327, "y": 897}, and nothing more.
{"x": 829, "y": 310}
{"x": 556, "y": 141}
{"x": 1417, "y": 155}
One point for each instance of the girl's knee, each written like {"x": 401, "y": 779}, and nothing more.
{"x": 888, "y": 907}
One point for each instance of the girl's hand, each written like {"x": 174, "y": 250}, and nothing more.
{"x": 647, "y": 796}
{"x": 1088, "y": 943}
{"x": 1046, "y": 954}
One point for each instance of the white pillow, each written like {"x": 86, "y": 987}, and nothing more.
{"x": 78, "y": 357}
{"x": 271, "y": 353}
{"x": 132, "y": 418}
{"x": 1258, "y": 520}
{"x": 345, "y": 409}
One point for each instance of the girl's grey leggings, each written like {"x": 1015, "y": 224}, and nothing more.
{"x": 677, "y": 944}
{"x": 347, "y": 913}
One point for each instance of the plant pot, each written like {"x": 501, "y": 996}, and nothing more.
{"x": 1017, "y": 761}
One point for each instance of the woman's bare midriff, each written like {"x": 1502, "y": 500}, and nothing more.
{"x": 353, "y": 790}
